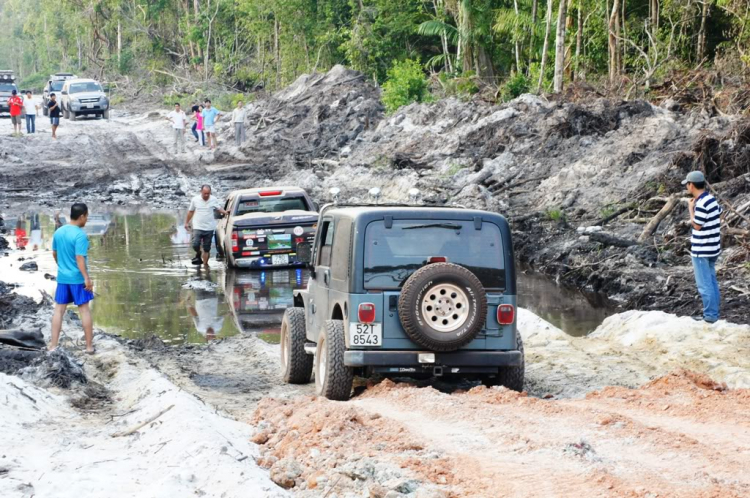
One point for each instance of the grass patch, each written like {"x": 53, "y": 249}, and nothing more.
{"x": 555, "y": 214}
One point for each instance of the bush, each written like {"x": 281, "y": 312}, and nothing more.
{"x": 516, "y": 85}
{"x": 406, "y": 84}
{"x": 35, "y": 82}
{"x": 462, "y": 87}
{"x": 228, "y": 101}
{"x": 555, "y": 214}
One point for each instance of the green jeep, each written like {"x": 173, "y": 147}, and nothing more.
{"x": 406, "y": 291}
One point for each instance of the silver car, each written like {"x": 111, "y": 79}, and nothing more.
{"x": 81, "y": 96}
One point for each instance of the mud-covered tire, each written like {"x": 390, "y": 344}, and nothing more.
{"x": 45, "y": 110}
{"x": 73, "y": 116}
{"x": 333, "y": 379}
{"x": 66, "y": 113}
{"x": 296, "y": 364}
{"x": 465, "y": 300}
{"x": 105, "y": 114}
{"x": 510, "y": 377}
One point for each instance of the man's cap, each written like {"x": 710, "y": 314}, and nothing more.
{"x": 694, "y": 177}
{"x": 13, "y": 92}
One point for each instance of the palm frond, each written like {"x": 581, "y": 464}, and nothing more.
{"x": 508, "y": 23}
{"x": 438, "y": 28}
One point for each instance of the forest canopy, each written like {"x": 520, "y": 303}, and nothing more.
{"x": 521, "y": 45}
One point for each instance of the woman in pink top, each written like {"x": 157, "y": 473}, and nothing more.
{"x": 197, "y": 129}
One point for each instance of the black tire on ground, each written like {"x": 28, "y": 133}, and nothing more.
{"x": 510, "y": 377}
{"x": 45, "y": 109}
{"x": 442, "y": 306}
{"x": 333, "y": 379}
{"x": 296, "y": 365}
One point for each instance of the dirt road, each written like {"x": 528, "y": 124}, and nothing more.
{"x": 681, "y": 435}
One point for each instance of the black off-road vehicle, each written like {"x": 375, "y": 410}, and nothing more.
{"x": 405, "y": 291}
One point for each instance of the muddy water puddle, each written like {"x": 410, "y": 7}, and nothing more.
{"x": 145, "y": 283}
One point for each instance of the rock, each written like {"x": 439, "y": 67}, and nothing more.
{"x": 285, "y": 472}
{"x": 29, "y": 266}
{"x": 431, "y": 493}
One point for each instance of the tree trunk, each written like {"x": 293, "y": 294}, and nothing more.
{"x": 560, "y": 47}
{"x": 579, "y": 38}
{"x": 534, "y": 8}
{"x": 701, "y": 48}
{"x": 517, "y": 46}
{"x": 277, "y": 50}
{"x": 439, "y": 13}
{"x": 544, "y": 47}
{"x": 614, "y": 53}
{"x": 119, "y": 45}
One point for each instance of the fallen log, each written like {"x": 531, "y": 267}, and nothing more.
{"x": 614, "y": 215}
{"x": 142, "y": 424}
{"x": 654, "y": 223}
{"x": 611, "y": 240}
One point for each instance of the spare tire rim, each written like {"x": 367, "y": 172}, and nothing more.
{"x": 322, "y": 364}
{"x": 445, "y": 307}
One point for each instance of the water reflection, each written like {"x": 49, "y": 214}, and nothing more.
{"x": 573, "y": 312}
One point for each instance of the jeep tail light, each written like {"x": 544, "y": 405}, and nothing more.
{"x": 438, "y": 259}
{"x": 366, "y": 313}
{"x": 267, "y": 193}
{"x": 234, "y": 242}
{"x": 506, "y": 313}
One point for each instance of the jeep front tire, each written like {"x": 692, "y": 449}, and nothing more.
{"x": 333, "y": 379}
{"x": 510, "y": 377}
{"x": 296, "y": 364}
{"x": 442, "y": 307}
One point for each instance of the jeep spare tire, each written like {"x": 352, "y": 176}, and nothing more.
{"x": 442, "y": 306}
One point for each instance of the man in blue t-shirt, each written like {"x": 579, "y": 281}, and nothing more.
{"x": 210, "y": 114}
{"x": 70, "y": 246}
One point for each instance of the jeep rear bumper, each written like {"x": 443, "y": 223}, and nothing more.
{"x": 356, "y": 358}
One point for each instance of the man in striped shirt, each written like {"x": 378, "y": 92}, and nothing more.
{"x": 705, "y": 242}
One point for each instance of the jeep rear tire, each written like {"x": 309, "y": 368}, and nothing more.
{"x": 333, "y": 379}
{"x": 296, "y": 364}
{"x": 510, "y": 377}
{"x": 45, "y": 110}
{"x": 442, "y": 306}
{"x": 66, "y": 113}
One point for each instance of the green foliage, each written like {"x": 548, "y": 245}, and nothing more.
{"x": 555, "y": 214}
{"x": 462, "y": 87}
{"x": 34, "y": 82}
{"x": 516, "y": 85}
{"x": 228, "y": 101}
{"x": 453, "y": 169}
{"x": 406, "y": 84}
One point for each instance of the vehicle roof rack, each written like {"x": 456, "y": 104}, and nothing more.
{"x": 331, "y": 205}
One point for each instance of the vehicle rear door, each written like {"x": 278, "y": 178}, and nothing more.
{"x": 225, "y": 223}
{"x": 320, "y": 285}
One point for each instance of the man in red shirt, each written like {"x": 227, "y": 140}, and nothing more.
{"x": 16, "y": 105}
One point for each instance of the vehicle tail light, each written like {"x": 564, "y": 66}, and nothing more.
{"x": 234, "y": 242}
{"x": 366, "y": 312}
{"x": 438, "y": 259}
{"x": 267, "y": 193}
{"x": 506, "y": 313}
{"x": 299, "y": 240}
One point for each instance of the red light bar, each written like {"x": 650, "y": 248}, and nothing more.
{"x": 438, "y": 259}
{"x": 266, "y": 193}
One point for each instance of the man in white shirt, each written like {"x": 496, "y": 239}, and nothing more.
{"x": 238, "y": 118}
{"x": 201, "y": 214}
{"x": 30, "y": 107}
{"x": 178, "y": 119}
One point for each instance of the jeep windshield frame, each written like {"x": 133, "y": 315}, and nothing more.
{"x": 392, "y": 254}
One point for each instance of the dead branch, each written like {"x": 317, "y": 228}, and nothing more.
{"x": 654, "y": 223}
{"x": 611, "y": 240}
{"x": 614, "y": 215}
{"x": 142, "y": 424}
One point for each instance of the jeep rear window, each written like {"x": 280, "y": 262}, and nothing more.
{"x": 393, "y": 254}
{"x": 56, "y": 86}
{"x": 84, "y": 87}
{"x": 270, "y": 205}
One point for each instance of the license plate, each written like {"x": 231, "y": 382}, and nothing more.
{"x": 365, "y": 334}
{"x": 89, "y": 106}
{"x": 279, "y": 259}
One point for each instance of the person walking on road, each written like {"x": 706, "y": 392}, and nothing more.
{"x": 32, "y": 109}
{"x": 210, "y": 114}
{"x": 201, "y": 214}
{"x": 705, "y": 241}
{"x": 178, "y": 119}
{"x": 15, "y": 102}
{"x": 70, "y": 246}
{"x": 54, "y": 114}
{"x": 238, "y": 118}
{"x": 197, "y": 129}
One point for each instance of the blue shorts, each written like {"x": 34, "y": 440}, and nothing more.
{"x": 55, "y": 121}
{"x": 72, "y": 293}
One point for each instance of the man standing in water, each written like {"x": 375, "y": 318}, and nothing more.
{"x": 201, "y": 214}
{"x": 705, "y": 242}
{"x": 70, "y": 246}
